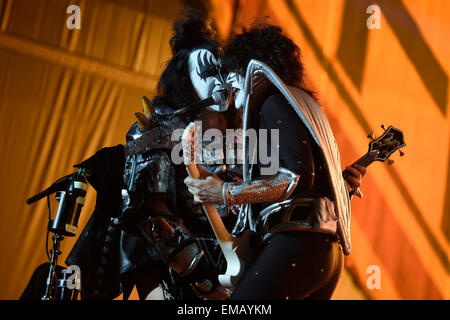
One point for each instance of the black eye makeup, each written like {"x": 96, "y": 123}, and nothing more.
{"x": 206, "y": 66}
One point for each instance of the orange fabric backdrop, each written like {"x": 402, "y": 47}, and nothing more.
{"x": 65, "y": 94}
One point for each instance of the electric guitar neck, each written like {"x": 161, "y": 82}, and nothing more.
{"x": 380, "y": 149}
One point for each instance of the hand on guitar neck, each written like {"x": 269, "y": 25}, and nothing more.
{"x": 380, "y": 149}
{"x": 353, "y": 176}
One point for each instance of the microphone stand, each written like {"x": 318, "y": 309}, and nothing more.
{"x": 71, "y": 190}
{"x": 50, "y": 283}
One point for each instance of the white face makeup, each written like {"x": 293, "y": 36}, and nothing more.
{"x": 204, "y": 72}
{"x": 236, "y": 81}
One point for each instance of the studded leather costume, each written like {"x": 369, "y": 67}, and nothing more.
{"x": 127, "y": 233}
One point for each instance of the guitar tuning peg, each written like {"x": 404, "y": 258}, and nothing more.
{"x": 390, "y": 162}
{"x": 371, "y": 136}
{"x": 382, "y": 126}
{"x": 401, "y": 153}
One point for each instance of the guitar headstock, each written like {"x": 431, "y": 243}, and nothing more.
{"x": 385, "y": 145}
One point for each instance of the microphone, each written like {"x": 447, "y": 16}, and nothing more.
{"x": 71, "y": 201}
{"x": 60, "y": 184}
{"x": 217, "y": 98}
{"x": 70, "y": 193}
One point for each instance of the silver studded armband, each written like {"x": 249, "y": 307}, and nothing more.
{"x": 273, "y": 188}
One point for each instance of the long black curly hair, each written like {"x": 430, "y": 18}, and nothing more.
{"x": 194, "y": 30}
{"x": 268, "y": 44}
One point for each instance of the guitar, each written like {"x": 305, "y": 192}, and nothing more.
{"x": 239, "y": 250}
{"x": 380, "y": 149}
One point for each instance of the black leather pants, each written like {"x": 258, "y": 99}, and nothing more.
{"x": 293, "y": 265}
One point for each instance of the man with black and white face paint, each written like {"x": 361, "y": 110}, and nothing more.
{"x": 191, "y": 75}
{"x": 205, "y": 75}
